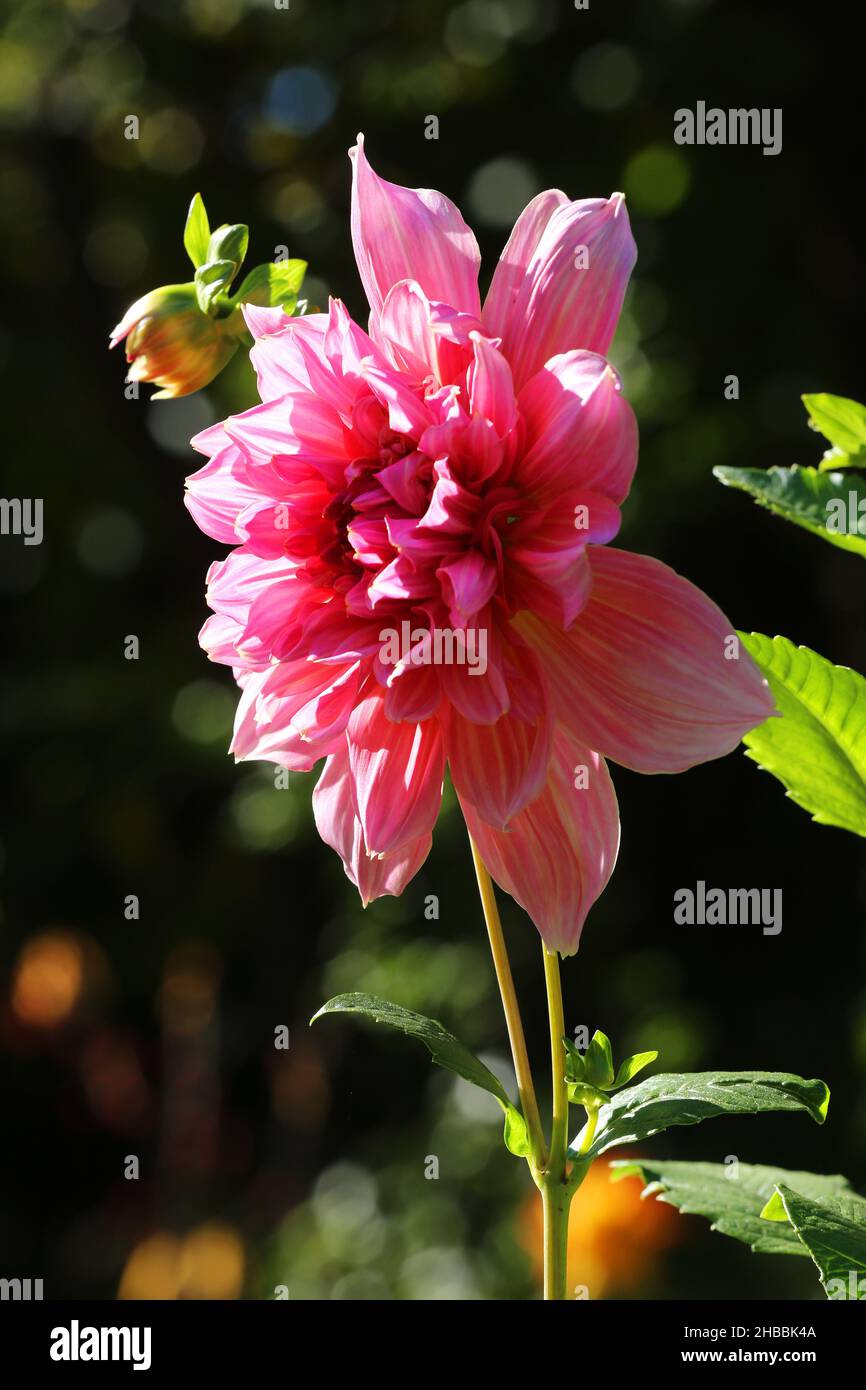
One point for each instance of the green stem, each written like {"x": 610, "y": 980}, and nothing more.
{"x": 556, "y": 1202}
{"x": 556, "y": 1193}
{"x": 591, "y": 1122}
{"x": 559, "y": 1133}
{"x": 513, "y": 1021}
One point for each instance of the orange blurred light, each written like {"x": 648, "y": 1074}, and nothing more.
{"x": 48, "y": 979}
{"x": 213, "y": 1262}
{"x": 208, "y": 1263}
{"x": 153, "y": 1269}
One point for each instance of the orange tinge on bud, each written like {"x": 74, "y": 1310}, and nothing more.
{"x": 170, "y": 342}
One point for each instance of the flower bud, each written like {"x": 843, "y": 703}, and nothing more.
{"x": 171, "y": 342}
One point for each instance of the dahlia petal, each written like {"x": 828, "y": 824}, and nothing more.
{"x": 642, "y": 675}
{"x": 453, "y": 509}
{"x": 263, "y": 527}
{"x": 334, "y": 382}
{"x": 559, "y": 304}
{"x": 405, "y": 330}
{"x": 403, "y": 480}
{"x": 548, "y": 571}
{"x": 514, "y": 263}
{"x": 400, "y": 579}
{"x": 346, "y": 345}
{"x": 219, "y": 492}
{"x": 410, "y": 234}
{"x": 468, "y": 584}
{"x": 277, "y": 352}
{"x": 558, "y": 593}
{"x": 397, "y": 772}
{"x": 490, "y": 385}
{"x": 501, "y": 767}
{"x": 325, "y": 714}
{"x": 408, "y": 413}
{"x": 219, "y": 637}
{"x": 210, "y": 440}
{"x": 234, "y": 583}
{"x": 557, "y": 854}
{"x": 332, "y": 636}
{"x": 413, "y": 692}
{"x": 478, "y": 690}
{"x": 580, "y": 430}
{"x": 339, "y": 827}
{"x": 292, "y": 424}
{"x": 263, "y": 321}
{"x": 264, "y": 729}
{"x": 368, "y": 537}
{"x": 427, "y": 340}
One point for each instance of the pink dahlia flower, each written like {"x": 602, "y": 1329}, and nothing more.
{"x": 421, "y": 574}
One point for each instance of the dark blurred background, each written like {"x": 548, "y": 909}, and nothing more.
{"x": 154, "y": 1037}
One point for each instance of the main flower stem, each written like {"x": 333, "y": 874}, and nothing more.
{"x": 556, "y": 1203}
{"x": 559, "y": 1134}
{"x": 556, "y": 1192}
{"x": 501, "y": 964}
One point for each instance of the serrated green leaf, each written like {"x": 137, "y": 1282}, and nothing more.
{"x": 598, "y": 1060}
{"x": 841, "y": 421}
{"x": 818, "y": 747}
{"x": 631, "y": 1066}
{"x": 832, "y": 1227}
{"x": 827, "y": 504}
{"x": 211, "y": 282}
{"x": 229, "y": 243}
{"x": 446, "y": 1051}
{"x": 731, "y": 1198}
{"x": 196, "y": 233}
{"x": 636, "y": 1113}
{"x": 272, "y": 285}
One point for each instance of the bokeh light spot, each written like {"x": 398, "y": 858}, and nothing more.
{"x": 606, "y": 77}
{"x": 263, "y": 817}
{"x": 476, "y": 33}
{"x": 300, "y": 100}
{"x": 171, "y": 140}
{"x": 656, "y": 180}
{"x": 204, "y": 711}
{"x": 296, "y": 203}
{"x": 153, "y": 1269}
{"x": 109, "y": 542}
{"x": 172, "y": 423}
{"x": 48, "y": 979}
{"x": 212, "y": 1262}
{"x": 499, "y": 191}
